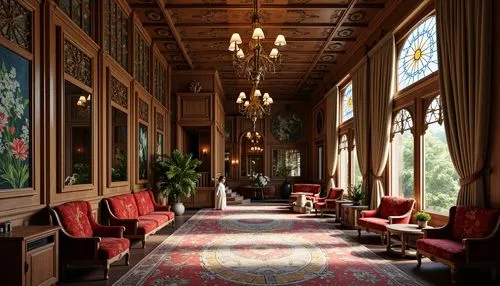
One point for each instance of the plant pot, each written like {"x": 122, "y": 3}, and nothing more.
{"x": 421, "y": 223}
{"x": 285, "y": 190}
{"x": 178, "y": 209}
{"x": 356, "y": 203}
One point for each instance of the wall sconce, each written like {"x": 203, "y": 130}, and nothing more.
{"x": 204, "y": 151}
{"x": 234, "y": 162}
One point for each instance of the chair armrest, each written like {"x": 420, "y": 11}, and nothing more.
{"x": 395, "y": 219}
{"x": 321, "y": 200}
{"x": 159, "y": 208}
{"x": 108, "y": 231}
{"x": 483, "y": 248}
{"x": 130, "y": 225}
{"x": 440, "y": 232}
{"x": 369, "y": 213}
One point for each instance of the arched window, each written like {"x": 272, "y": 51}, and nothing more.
{"x": 402, "y": 154}
{"x": 418, "y": 55}
{"x": 347, "y": 103}
{"x": 441, "y": 182}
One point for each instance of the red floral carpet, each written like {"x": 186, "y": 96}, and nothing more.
{"x": 261, "y": 245}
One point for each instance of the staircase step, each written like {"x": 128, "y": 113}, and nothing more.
{"x": 236, "y": 198}
{"x": 240, "y": 202}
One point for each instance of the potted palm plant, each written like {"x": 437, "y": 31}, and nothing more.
{"x": 285, "y": 170}
{"x": 356, "y": 194}
{"x": 177, "y": 176}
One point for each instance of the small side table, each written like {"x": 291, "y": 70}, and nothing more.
{"x": 407, "y": 234}
{"x": 354, "y": 212}
{"x": 338, "y": 210}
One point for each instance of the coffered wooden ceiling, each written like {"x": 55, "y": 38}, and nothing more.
{"x": 194, "y": 34}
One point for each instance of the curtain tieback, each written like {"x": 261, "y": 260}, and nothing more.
{"x": 377, "y": 177}
{"x": 474, "y": 177}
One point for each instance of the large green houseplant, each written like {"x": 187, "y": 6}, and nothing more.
{"x": 176, "y": 176}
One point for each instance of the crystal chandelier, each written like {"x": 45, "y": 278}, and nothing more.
{"x": 256, "y": 107}
{"x": 255, "y": 140}
{"x": 257, "y": 63}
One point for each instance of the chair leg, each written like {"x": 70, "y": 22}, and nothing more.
{"x": 316, "y": 212}
{"x": 127, "y": 259}
{"x": 382, "y": 239}
{"x": 143, "y": 243}
{"x": 419, "y": 259}
{"x": 359, "y": 233}
{"x": 454, "y": 272}
{"x": 322, "y": 213}
{"x": 106, "y": 271}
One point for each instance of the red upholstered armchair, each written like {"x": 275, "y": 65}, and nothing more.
{"x": 85, "y": 242}
{"x": 471, "y": 239}
{"x": 391, "y": 210}
{"x": 328, "y": 203}
{"x": 313, "y": 189}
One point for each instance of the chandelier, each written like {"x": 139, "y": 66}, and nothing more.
{"x": 256, "y": 107}
{"x": 255, "y": 140}
{"x": 256, "y": 64}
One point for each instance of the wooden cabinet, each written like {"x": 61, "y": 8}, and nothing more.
{"x": 29, "y": 255}
{"x": 350, "y": 214}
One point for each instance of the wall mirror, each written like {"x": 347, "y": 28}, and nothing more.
{"x": 77, "y": 135}
{"x": 119, "y": 145}
{"x": 287, "y": 156}
{"x": 252, "y": 153}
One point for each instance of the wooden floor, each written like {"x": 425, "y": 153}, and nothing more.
{"x": 430, "y": 274}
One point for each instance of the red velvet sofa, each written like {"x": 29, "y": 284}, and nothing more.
{"x": 471, "y": 239}
{"x": 314, "y": 189}
{"x": 139, "y": 214}
{"x": 328, "y": 203}
{"x": 85, "y": 242}
{"x": 391, "y": 210}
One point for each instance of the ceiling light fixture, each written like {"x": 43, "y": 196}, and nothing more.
{"x": 256, "y": 64}
{"x": 256, "y": 107}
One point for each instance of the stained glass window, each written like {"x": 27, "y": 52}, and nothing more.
{"x": 418, "y": 57}
{"x": 402, "y": 122}
{"x": 347, "y": 103}
{"x": 115, "y": 38}
{"x": 79, "y": 11}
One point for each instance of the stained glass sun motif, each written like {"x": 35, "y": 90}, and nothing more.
{"x": 347, "y": 103}
{"x": 418, "y": 57}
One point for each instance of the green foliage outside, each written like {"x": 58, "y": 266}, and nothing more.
{"x": 441, "y": 179}
{"x": 177, "y": 175}
{"x": 119, "y": 169}
{"x": 82, "y": 173}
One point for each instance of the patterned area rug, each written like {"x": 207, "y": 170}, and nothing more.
{"x": 261, "y": 245}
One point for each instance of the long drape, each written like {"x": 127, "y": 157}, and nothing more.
{"x": 332, "y": 140}
{"x": 359, "y": 76}
{"x": 381, "y": 89}
{"x": 464, "y": 33}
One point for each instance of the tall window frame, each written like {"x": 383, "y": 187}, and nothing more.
{"x": 416, "y": 97}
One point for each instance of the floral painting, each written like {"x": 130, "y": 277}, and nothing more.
{"x": 286, "y": 127}
{"x": 15, "y": 118}
{"x": 143, "y": 152}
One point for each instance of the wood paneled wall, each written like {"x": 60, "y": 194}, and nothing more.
{"x": 111, "y": 84}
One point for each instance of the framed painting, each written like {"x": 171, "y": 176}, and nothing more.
{"x": 286, "y": 126}
{"x": 143, "y": 152}
{"x": 15, "y": 121}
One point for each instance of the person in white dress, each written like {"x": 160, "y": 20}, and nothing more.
{"x": 220, "y": 194}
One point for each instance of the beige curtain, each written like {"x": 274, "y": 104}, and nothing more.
{"x": 332, "y": 140}
{"x": 464, "y": 33}
{"x": 381, "y": 89}
{"x": 359, "y": 76}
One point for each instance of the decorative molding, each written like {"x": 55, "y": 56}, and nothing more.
{"x": 119, "y": 92}
{"x": 77, "y": 64}
{"x": 160, "y": 121}
{"x": 15, "y": 23}
{"x": 143, "y": 111}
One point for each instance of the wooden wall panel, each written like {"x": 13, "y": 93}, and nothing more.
{"x": 194, "y": 107}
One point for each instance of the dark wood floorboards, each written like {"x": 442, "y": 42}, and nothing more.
{"x": 430, "y": 274}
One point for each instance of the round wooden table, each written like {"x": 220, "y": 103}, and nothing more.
{"x": 408, "y": 233}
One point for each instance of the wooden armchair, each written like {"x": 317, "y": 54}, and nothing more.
{"x": 328, "y": 203}
{"x": 83, "y": 242}
{"x": 471, "y": 239}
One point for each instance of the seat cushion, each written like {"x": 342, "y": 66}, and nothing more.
{"x": 473, "y": 222}
{"x": 307, "y": 188}
{"x": 144, "y": 203}
{"x": 320, "y": 205}
{"x": 444, "y": 248}
{"x": 110, "y": 247}
{"x": 395, "y": 206}
{"x": 123, "y": 206}
{"x": 376, "y": 223}
{"x": 74, "y": 218}
{"x": 146, "y": 226}
{"x": 170, "y": 215}
{"x": 158, "y": 219}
